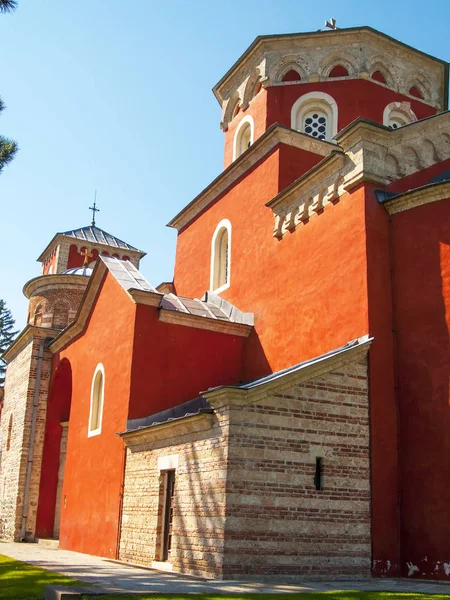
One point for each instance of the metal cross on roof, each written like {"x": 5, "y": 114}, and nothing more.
{"x": 94, "y": 209}
{"x": 331, "y": 24}
{"x": 87, "y": 256}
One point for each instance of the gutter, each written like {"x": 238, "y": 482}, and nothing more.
{"x": 34, "y": 414}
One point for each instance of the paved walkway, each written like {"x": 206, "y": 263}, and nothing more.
{"x": 116, "y": 577}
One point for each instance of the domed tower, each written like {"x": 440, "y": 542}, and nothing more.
{"x": 54, "y": 299}
{"x": 319, "y": 82}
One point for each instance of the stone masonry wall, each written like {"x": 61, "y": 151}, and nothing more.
{"x": 18, "y": 410}
{"x": 199, "y": 501}
{"x": 277, "y": 522}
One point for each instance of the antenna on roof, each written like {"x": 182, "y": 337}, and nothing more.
{"x": 94, "y": 209}
{"x": 331, "y": 24}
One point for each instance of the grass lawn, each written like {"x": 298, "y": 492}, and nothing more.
{"x": 348, "y": 595}
{"x": 21, "y": 581}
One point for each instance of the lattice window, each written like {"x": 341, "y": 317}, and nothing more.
{"x": 315, "y": 123}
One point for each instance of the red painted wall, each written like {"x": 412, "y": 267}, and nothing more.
{"x": 308, "y": 291}
{"x": 354, "y": 97}
{"x": 420, "y": 178}
{"x": 174, "y": 363}
{"x": 421, "y": 252}
{"x": 94, "y": 468}
{"x": 58, "y": 410}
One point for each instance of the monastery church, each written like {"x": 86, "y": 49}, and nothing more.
{"x": 281, "y": 408}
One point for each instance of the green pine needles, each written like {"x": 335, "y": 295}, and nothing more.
{"x": 7, "y": 335}
{"x": 8, "y": 148}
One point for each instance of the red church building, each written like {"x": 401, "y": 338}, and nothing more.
{"x": 282, "y": 407}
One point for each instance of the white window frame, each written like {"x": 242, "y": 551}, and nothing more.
{"x": 237, "y": 136}
{"x": 224, "y": 224}
{"x": 400, "y": 110}
{"x": 92, "y": 432}
{"x": 318, "y": 100}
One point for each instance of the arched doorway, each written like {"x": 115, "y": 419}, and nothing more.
{"x": 53, "y": 459}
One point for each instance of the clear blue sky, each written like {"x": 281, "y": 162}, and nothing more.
{"x": 116, "y": 96}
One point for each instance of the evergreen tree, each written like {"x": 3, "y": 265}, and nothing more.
{"x": 7, "y": 5}
{"x": 7, "y": 147}
{"x": 7, "y": 335}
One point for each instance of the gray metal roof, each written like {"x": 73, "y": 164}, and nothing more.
{"x": 95, "y": 235}
{"x": 297, "y": 367}
{"x": 187, "y": 409}
{"x": 127, "y": 274}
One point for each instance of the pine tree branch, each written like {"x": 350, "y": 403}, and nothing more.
{"x": 7, "y": 5}
{"x": 8, "y": 149}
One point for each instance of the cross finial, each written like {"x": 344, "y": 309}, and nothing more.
{"x": 94, "y": 209}
{"x": 331, "y": 24}
{"x": 87, "y": 256}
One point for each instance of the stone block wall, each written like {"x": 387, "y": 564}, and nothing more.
{"x": 16, "y": 425}
{"x": 246, "y": 504}
{"x": 277, "y": 522}
{"x": 199, "y": 499}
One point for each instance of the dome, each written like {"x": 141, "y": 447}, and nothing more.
{"x": 84, "y": 270}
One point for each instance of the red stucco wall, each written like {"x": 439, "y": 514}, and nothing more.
{"x": 94, "y": 470}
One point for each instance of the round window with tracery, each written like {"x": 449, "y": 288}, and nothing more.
{"x": 396, "y": 122}
{"x": 315, "y": 124}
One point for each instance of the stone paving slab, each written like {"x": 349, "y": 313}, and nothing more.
{"x": 117, "y": 577}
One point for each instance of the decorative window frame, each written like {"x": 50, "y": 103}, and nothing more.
{"x": 237, "y": 136}
{"x": 224, "y": 224}
{"x": 402, "y": 109}
{"x": 307, "y": 102}
{"x": 98, "y": 430}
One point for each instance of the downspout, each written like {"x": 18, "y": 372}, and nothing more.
{"x": 34, "y": 414}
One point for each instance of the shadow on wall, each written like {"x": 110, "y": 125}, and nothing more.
{"x": 421, "y": 251}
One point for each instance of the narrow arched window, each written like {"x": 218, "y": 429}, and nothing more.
{"x": 398, "y": 114}
{"x": 60, "y": 315}
{"x": 97, "y": 398}
{"x": 291, "y": 75}
{"x": 338, "y": 71}
{"x": 378, "y": 76}
{"x": 221, "y": 257}
{"x": 37, "y": 319}
{"x": 243, "y": 138}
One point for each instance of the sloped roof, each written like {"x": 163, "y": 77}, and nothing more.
{"x": 186, "y": 409}
{"x": 95, "y": 235}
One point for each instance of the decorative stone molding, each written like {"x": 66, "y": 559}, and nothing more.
{"x": 361, "y": 50}
{"x": 276, "y": 134}
{"x": 366, "y": 151}
{"x": 419, "y": 197}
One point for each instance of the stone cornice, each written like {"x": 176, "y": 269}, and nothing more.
{"x": 229, "y": 396}
{"x": 424, "y": 195}
{"x": 146, "y": 297}
{"x": 180, "y": 318}
{"x": 57, "y": 280}
{"x": 28, "y": 333}
{"x": 276, "y": 134}
{"x": 170, "y": 430}
{"x": 256, "y": 56}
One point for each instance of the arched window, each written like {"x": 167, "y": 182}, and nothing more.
{"x": 378, "y": 76}
{"x": 415, "y": 92}
{"x": 97, "y": 397}
{"x": 221, "y": 257}
{"x": 291, "y": 76}
{"x": 315, "y": 114}
{"x": 60, "y": 315}
{"x": 398, "y": 114}
{"x": 338, "y": 71}
{"x": 243, "y": 137}
{"x": 37, "y": 319}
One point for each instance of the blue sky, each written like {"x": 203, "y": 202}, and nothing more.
{"x": 116, "y": 96}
